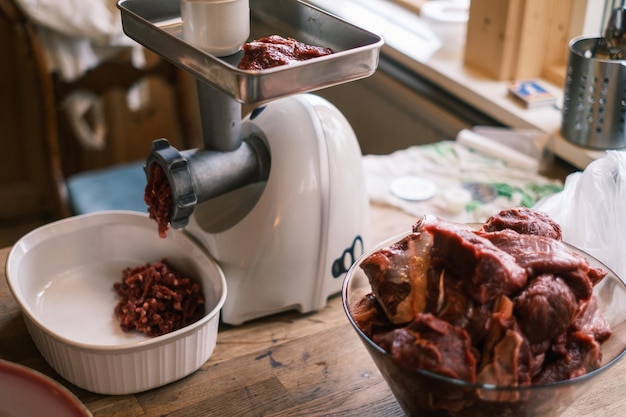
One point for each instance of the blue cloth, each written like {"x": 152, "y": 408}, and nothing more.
{"x": 120, "y": 187}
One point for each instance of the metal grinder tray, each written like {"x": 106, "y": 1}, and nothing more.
{"x": 156, "y": 24}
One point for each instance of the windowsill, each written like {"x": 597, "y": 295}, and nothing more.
{"x": 409, "y": 41}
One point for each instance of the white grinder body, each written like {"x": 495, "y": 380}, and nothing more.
{"x": 287, "y": 243}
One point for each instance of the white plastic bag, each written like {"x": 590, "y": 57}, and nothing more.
{"x": 591, "y": 210}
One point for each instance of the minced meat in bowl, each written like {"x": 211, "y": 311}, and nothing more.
{"x": 478, "y": 348}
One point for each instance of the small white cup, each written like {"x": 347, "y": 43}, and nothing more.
{"x": 219, "y": 27}
{"x": 448, "y": 21}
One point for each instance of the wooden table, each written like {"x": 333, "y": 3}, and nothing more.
{"x": 290, "y": 364}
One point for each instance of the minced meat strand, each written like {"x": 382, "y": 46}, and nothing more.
{"x": 158, "y": 197}
{"x": 156, "y": 299}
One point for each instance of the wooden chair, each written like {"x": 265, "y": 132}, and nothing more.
{"x": 46, "y": 165}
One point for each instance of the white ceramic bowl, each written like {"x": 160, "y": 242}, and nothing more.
{"x": 62, "y": 276}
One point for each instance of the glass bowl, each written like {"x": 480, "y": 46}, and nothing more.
{"x": 426, "y": 394}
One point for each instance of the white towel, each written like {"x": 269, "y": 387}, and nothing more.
{"x": 451, "y": 169}
{"x": 79, "y": 34}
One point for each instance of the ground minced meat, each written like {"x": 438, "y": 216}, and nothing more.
{"x": 158, "y": 197}
{"x": 156, "y": 299}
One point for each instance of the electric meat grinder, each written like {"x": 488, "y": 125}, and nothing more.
{"x": 278, "y": 198}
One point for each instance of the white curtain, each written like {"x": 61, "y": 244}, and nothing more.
{"x": 79, "y": 34}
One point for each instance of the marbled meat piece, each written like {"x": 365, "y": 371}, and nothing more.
{"x": 525, "y": 221}
{"x": 540, "y": 255}
{"x": 432, "y": 344}
{"x": 274, "y": 50}
{"x": 369, "y": 316}
{"x": 545, "y": 308}
{"x": 506, "y": 355}
{"x": 485, "y": 270}
{"x": 589, "y": 320}
{"x": 579, "y": 355}
{"x": 397, "y": 275}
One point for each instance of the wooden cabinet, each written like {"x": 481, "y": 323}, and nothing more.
{"x": 516, "y": 39}
{"x": 39, "y": 147}
{"x": 26, "y": 186}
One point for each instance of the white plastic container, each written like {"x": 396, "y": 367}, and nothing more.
{"x": 219, "y": 27}
{"x": 448, "y": 20}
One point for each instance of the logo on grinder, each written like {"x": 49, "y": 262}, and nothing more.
{"x": 349, "y": 256}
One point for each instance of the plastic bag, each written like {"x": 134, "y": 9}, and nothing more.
{"x": 591, "y": 210}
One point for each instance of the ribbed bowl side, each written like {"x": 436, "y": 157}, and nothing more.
{"x": 118, "y": 372}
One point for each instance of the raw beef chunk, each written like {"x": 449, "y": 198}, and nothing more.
{"x": 524, "y": 221}
{"x": 502, "y": 306}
